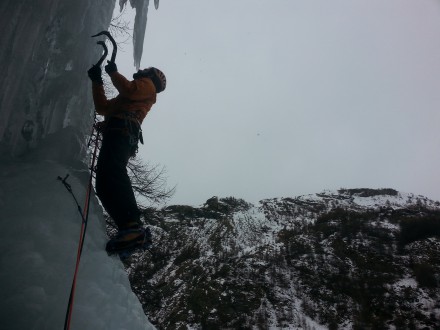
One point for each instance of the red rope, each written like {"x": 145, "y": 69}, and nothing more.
{"x": 85, "y": 216}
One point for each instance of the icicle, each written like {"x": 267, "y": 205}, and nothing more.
{"x": 122, "y": 3}
{"x": 140, "y": 24}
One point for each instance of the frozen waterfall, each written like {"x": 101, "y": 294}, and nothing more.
{"x": 46, "y": 112}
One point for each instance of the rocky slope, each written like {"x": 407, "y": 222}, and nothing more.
{"x": 352, "y": 259}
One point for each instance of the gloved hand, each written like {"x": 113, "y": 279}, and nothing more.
{"x": 95, "y": 74}
{"x": 111, "y": 67}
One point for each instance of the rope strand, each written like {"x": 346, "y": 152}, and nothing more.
{"x": 84, "y": 215}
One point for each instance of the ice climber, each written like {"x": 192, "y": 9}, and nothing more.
{"x": 121, "y": 133}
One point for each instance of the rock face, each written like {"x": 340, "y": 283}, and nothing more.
{"x": 353, "y": 259}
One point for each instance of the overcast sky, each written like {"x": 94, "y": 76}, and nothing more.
{"x": 283, "y": 98}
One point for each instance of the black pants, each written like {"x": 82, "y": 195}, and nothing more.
{"x": 113, "y": 185}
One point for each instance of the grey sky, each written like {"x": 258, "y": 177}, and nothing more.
{"x": 289, "y": 97}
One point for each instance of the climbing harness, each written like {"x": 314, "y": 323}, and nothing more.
{"x": 134, "y": 129}
{"x": 128, "y": 125}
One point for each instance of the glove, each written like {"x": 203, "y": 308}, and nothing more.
{"x": 95, "y": 74}
{"x": 111, "y": 67}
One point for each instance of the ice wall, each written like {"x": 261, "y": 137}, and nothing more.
{"x": 46, "y": 51}
{"x": 45, "y": 111}
{"x": 38, "y": 240}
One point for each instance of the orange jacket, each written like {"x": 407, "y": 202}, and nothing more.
{"x": 135, "y": 96}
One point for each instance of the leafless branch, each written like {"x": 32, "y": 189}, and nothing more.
{"x": 149, "y": 181}
{"x": 120, "y": 28}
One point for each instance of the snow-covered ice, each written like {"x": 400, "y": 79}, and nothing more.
{"x": 39, "y": 239}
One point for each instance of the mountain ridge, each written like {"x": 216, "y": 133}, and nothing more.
{"x": 352, "y": 259}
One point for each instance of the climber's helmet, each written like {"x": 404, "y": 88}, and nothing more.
{"x": 157, "y": 76}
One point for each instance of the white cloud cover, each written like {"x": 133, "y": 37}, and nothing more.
{"x": 292, "y": 97}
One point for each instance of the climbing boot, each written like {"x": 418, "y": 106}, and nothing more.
{"x": 129, "y": 240}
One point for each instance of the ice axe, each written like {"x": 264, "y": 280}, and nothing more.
{"x": 102, "y": 43}
{"x": 115, "y": 46}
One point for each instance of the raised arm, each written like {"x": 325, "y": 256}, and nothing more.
{"x": 99, "y": 98}
{"x": 122, "y": 84}
{"x": 102, "y": 105}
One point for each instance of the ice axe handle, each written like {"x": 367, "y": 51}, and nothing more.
{"x": 102, "y": 43}
{"x": 115, "y": 46}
